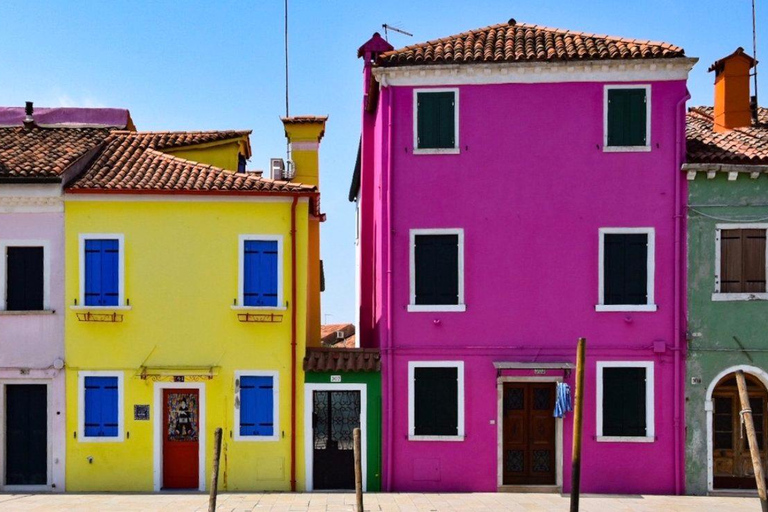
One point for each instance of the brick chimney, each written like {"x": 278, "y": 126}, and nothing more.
{"x": 732, "y": 103}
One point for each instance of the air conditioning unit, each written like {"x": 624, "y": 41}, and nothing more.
{"x": 276, "y": 168}
{"x": 290, "y": 170}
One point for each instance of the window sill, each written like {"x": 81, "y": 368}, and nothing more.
{"x": 625, "y": 308}
{"x": 255, "y": 439}
{"x": 435, "y": 438}
{"x": 437, "y": 151}
{"x": 625, "y": 439}
{"x": 726, "y": 297}
{"x": 258, "y": 308}
{"x": 447, "y": 308}
{"x": 626, "y": 149}
{"x": 32, "y": 312}
{"x": 84, "y": 439}
{"x": 100, "y": 308}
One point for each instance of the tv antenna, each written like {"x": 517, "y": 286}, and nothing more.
{"x": 754, "y": 56}
{"x": 394, "y": 29}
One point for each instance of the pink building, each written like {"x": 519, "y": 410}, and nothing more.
{"x": 518, "y": 187}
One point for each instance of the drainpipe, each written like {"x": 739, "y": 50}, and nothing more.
{"x": 679, "y": 275}
{"x": 293, "y": 342}
{"x": 390, "y": 358}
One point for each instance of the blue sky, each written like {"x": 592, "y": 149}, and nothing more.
{"x": 219, "y": 64}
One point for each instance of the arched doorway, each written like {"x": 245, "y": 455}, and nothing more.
{"x": 731, "y": 460}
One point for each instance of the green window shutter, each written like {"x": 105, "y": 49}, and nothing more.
{"x": 627, "y": 116}
{"x": 435, "y": 120}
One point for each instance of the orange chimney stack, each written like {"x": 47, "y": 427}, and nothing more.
{"x": 732, "y": 107}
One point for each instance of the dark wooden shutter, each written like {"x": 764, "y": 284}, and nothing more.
{"x": 625, "y": 263}
{"x": 624, "y": 402}
{"x": 627, "y": 116}
{"x": 437, "y": 269}
{"x": 436, "y": 407}
{"x": 742, "y": 261}
{"x": 25, "y": 276}
{"x": 435, "y": 120}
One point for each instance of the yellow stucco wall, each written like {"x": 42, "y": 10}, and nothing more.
{"x": 220, "y": 154}
{"x": 181, "y": 277}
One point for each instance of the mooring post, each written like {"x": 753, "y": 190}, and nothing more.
{"x": 754, "y": 449}
{"x": 358, "y": 471}
{"x": 215, "y": 472}
{"x": 578, "y": 408}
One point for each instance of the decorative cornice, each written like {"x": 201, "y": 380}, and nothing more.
{"x": 732, "y": 170}
{"x": 31, "y": 204}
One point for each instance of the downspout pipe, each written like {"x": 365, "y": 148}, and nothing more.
{"x": 293, "y": 342}
{"x": 390, "y": 357}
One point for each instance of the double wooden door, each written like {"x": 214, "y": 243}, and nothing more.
{"x": 528, "y": 444}
{"x": 335, "y": 415}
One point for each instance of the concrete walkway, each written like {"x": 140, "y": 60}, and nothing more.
{"x": 374, "y": 502}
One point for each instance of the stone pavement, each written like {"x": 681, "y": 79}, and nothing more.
{"x": 275, "y": 502}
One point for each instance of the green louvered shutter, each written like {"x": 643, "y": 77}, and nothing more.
{"x": 627, "y": 117}
{"x": 436, "y": 120}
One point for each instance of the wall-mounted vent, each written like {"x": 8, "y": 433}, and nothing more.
{"x": 277, "y": 168}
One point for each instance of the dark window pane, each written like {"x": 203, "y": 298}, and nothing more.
{"x": 436, "y": 407}
{"x": 625, "y": 262}
{"x": 437, "y": 269}
{"x": 724, "y": 441}
{"x": 624, "y": 402}
{"x": 25, "y": 285}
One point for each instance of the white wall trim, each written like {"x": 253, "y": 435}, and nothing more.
{"x": 241, "y": 274}
{"x": 717, "y": 296}
{"x": 650, "y": 401}
{"x": 178, "y": 198}
{"x": 412, "y": 306}
{"x": 412, "y": 365}
{"x": 46, "y": 245}
{"x": 309, "y": 405}
{"x": 648, "y": 110}
{"x": 157, "y": 444}
{"x": 120, "y": 264}
{"x": 81, "y": 437}
{"x": 275, "y": 405}
{"x": 650, "y": 273}
{"x": 456, "y": 149}
{"x": 760, "y": 374}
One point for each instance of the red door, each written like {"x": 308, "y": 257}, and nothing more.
{"x": 180, "y": 438}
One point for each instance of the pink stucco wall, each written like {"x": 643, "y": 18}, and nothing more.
{"x": 531, "y": 187}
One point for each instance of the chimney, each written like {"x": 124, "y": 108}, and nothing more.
{"x": 732, "y": 102}
{"x": 29, "y": 121}
{"x": 304, "y": 134}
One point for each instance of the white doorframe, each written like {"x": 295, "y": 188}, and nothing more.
{"x": 309, "y": 405}
{"x": 500, "y": 429}
{"x": 49, "y": 434}
{"x": 158, "y": 411}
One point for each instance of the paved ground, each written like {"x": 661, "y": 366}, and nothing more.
{"x": 373, "y": 502}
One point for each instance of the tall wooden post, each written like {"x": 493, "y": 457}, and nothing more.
{"x": 358, "y": 471}
{"x": 215, "y": 472}
{"x": 754, "y": 449}
{"x": 578, "y": 410}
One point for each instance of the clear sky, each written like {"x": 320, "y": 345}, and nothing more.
{"x": 189, "y": 65}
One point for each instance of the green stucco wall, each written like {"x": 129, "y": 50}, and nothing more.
{"x": 372, "y": 381}
{"x": 712, "y": 325}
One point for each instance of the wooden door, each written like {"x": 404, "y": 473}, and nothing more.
{"x": 26, "y": 434}
{"x": 732, "y": 464}
{"x": 335, "y": 415}
{"x": 181, "y": 438}
{"x": 528, "y": 454}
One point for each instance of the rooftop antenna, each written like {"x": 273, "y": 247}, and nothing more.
{"x": 754, "y": 56}
{"x": 394, "y": 29}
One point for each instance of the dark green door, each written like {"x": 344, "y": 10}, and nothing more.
{"x": 26, "y": 439}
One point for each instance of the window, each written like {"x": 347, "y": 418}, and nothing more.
{"x": 740, "y": 262}
{"x": 626, "y": 269}
{"x": 627, "y": 118}
{"x": 25, "y": 279}
{"x": 256, "y": 410}
{"x": 101, "y": 271}
{"x": 261, "y": 271}
{"x": 436, "y": 121}
{"x": 437, "y": 270}
{"x": 436, "y": 400}
{"x": 625, "y": 401}
{"x": 101, "y": 411}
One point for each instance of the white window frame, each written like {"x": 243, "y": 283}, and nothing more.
{"x": 717, "y": 296}
{"x": 275, "y": 404}
{"x": 456, "y": 149}
{"x": 81, "y": 437}
{"x": 650, "y": 401}
{"x": 412, "y": 365}
{"x": 120, "y": 237}
{"x": 241, "y": 274}
{"x": 627, "y": 149}
{"x": 650, "y": 305}
{"x": 412, "y": 306}
{"x": 46, "y": 245}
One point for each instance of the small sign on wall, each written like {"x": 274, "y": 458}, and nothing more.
{"x": 335, "y": 378}
{"x": 141, "y": 412}
{"x": 178, "y": 378}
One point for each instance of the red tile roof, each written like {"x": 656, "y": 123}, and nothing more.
{"x": 329, "y": 335}
{"x": 342, "y": 360}
{"x": 44, "y": 152}
{"x": 521, "y": 42}
{"x": 745, "y": 146}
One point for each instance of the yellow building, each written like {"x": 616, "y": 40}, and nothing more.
{"x": 192, "y": 291}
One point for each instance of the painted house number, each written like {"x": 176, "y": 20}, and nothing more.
{"x": 540, "y": 371}
{"x": 335, "y": 378}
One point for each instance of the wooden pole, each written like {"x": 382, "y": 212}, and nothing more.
{"x": 215, "y": 472}
{"x": 578, "y": 409}
{"x": 358, "y": 471}
{"x": 754, "y": 449}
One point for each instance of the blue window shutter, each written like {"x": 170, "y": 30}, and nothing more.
{"x": 256, "y": 406}
{"x": 101, "y": 407}
{"x": 93, "y": 273}
{"x": 260, "y": 273}
{"x": 102, "y": 259}
{"x": 247, "y": 409}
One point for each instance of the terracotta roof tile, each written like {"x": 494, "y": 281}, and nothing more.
{"x": 342, "y": 360}
{"x": 522, "y": 42}
{"x": 745, "y": 146}
{"x": 329, "y": 336}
